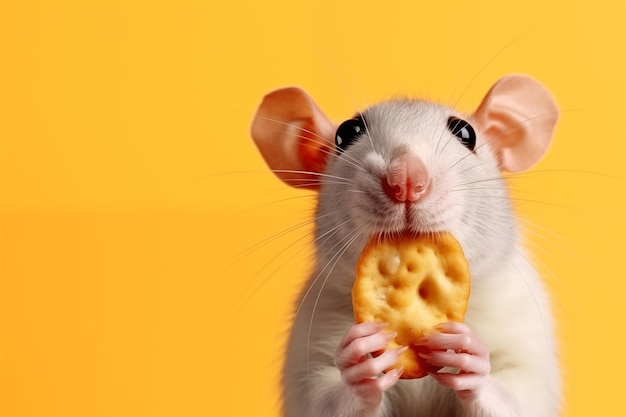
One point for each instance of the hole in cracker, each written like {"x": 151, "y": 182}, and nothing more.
{"x": 425, "y": 289}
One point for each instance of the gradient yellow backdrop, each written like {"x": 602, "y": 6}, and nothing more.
{"x": 148, "y": 261}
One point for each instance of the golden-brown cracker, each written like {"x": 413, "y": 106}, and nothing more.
{"x": 413, "y": 283}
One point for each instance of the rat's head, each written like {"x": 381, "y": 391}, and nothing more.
{"x": 410, "y": 166}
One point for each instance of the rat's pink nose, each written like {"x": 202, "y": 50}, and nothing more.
{"x": 407, "y": 179}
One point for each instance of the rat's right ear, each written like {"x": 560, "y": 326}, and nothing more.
{"x": 517, "y": 118}
{"x": 294, "y": 137}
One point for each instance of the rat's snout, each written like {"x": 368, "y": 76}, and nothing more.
{"x": 407, "y": 178}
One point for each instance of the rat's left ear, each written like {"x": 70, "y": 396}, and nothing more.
{"x": 294, "y": 136}
{"x": 517, "y": 118}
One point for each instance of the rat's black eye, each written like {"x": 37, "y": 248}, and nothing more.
{"x": 464, "y": 131}
{"x": 348, "y": 132}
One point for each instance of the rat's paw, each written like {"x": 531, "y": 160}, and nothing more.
{"x": 361, "y": 372}
{"x": 454, "y": 345}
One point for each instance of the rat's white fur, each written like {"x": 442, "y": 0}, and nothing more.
{"x": 508, "y": 308}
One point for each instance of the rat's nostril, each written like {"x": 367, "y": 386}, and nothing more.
{"x": 418, "y": 190}
{"x": 392, "y": 190}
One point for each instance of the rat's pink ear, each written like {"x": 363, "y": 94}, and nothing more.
{"x": 294, "y": 136}
{"x": 517, "y": 118}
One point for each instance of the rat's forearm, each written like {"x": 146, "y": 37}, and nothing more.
{"x": 492, "y": 399}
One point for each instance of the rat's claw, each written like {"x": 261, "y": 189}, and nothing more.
{"x": 361, "y": 372}
{"x": 372, "y": 367}
{"x": 361, "y": 340}
{"x": 465, "y": 362}
{"x": 371, "y": 389}
{"x": 454, "y": 345}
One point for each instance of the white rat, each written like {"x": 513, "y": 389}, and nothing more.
{"x": 419, "y": 167}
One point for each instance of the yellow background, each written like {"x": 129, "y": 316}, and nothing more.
{"x": 138, "y": 276}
